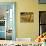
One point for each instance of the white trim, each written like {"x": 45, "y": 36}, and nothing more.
{"x": 2, "y": 20}
{"x": 13, "y": 35}
{"x": 11, "y": 13}
{"x": 5, "y": 29}
{"x": 24, "y": 39}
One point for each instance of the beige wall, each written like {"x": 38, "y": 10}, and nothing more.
{"x": 28, "y": 30}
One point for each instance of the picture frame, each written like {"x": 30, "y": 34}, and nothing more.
{"x": 26, "y": 17}
{"x": 7, "y": 23}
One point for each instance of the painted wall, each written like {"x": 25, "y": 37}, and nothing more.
{"x": 28, "y": 30}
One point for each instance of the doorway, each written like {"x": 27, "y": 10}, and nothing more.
{"x": 42, "y": 22}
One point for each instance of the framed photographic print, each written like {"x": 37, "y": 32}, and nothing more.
{"x": 7, "y": 20}
{"x": 42, "y": 1}
{"x": 26, "y": 17}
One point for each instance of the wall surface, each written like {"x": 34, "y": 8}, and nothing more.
{"x": 27, "y": 30}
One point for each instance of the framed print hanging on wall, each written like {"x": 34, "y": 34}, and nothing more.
{"x": 7, "y": 20}
{"x": 26, "y": 17}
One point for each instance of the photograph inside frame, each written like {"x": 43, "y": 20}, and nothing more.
{"x": 6, "y": 20}
{"x": 26, "y": 17}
